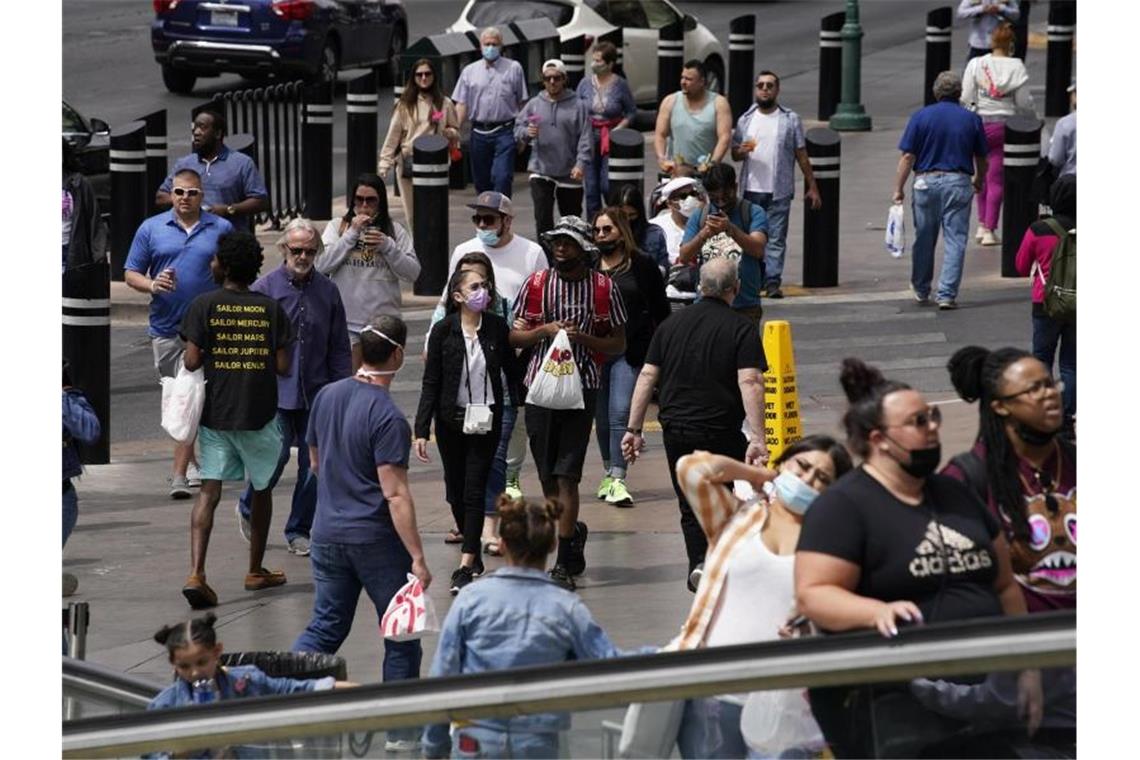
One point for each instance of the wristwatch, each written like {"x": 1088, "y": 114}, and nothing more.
{"x": 635, "y": 431}
{"x": 231, "y": 209}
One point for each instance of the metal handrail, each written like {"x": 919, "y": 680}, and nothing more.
{"x": 962, "y": 648}
{"x": 104, "y": 683}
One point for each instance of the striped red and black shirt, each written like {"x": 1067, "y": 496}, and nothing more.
{"x": 573, "y": 301}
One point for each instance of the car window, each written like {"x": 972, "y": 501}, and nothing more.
{"x": 72, "y": 121}
{"x": 658, "y": 13}
{"x": 502, "y": 12}
{"x": 625, "y": 13}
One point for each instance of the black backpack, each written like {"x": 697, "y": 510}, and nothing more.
{"x": 974, "y": 468}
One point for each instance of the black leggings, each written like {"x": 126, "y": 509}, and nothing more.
{"x": 544, "y": 192}
{"x": 466, "y": 463}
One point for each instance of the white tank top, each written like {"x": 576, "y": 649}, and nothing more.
{"x": 758, "y": 595}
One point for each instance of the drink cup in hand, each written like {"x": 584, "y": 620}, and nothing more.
{"x": 170, "y": 275}
{"x": 749, "y": 144}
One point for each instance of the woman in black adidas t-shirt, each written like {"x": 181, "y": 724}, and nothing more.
{"x": 875, "y": 549}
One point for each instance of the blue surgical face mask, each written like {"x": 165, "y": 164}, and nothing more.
{"x": 491, "y": 52}
{"x": 793, "y": 493}
{"x": 489, "y": 238}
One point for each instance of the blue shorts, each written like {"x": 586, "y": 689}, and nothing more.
{"x": 238, "y": 454}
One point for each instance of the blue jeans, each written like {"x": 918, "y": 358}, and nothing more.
{"x": 777, "y": 246}
{"x": 476, "y": 741}
{"x": 710, "y": 727}
{"x": 1047, "y": 334}
{"x": 493, "y": 161}
{"x": 940, "y": 201}
{"x": 611, "y": 414}
{"x": 70, "y": 509}
{"x": 497, "y": 476}
{"x": 597, "y": 180}
{"x": 293, "y": 424}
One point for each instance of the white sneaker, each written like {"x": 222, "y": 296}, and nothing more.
{"x": 990, "y": 239}
{"x": 981, "y": 233}
{"x": 180, "y": 489}
{"x": 193, "y": 475}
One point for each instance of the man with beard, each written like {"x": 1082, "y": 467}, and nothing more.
{"x": 320, "y": 355}
{"x": 769, "y": 139}
{"x": 572, "y": 297}
{"x": 242, "y": 340}
{"x": 233, "y": 186}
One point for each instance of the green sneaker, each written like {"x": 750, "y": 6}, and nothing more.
{"x": 604, "y": 487}
{"x": 512, "y": 490}
{"x": 619, "y": 494}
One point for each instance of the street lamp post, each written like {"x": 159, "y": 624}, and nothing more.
{"x": 849, "y": 116}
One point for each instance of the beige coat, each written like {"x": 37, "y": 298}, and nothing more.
{"x": 403, "y": 130}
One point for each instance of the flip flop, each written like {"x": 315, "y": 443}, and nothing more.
{"x": 491, "y": 548}
{"x": 453, "y": 537}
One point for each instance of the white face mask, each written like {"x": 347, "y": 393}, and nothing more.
{"x": 689, "y": 206}
{"x": 367, "y": 373}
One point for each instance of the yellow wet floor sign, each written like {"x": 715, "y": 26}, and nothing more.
{"x": 781, "y": 399}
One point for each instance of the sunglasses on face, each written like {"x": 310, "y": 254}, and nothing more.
{"x": 189, "y": 192}
{"x": 424, "y": 74}
{"x": 921, "y": 420}
{"x": 366, "y": 200}
{"x": 604, "y": 230}
{"x": 486, "y": 220}
{"x": 766, "y": 85}
{"x": 301, "y": 251}
{"x": 557, "y": 78}
{"x": 681, "y": 195}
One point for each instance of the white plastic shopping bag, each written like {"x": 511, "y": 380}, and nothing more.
{"x": 410, "y": 614}
{"x": 182, "y": 400}
{"x": 773, "y": 722}
{"x": 557, "y": 384}
{"x": 896, "y": 230}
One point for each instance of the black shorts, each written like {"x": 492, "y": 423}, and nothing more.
{"x": 559, "y": 438}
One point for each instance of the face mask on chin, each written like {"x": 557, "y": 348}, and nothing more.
{"x": 1032, "y": 435}
{"x": 922, "y": 462}
{"x": 606, "y": 247}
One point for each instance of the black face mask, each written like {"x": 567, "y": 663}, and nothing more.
{"x": 1033, "y": 436}
{"x": 606, "y": 247}
{"x": 923, "y": 462}
{"x": 567, "y": 265}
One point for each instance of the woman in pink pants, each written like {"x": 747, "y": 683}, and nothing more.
{"x": 995, "y": 85}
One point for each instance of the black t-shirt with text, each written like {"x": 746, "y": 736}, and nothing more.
{"x": 902, "y": 550}
{"x": 698, "y": 351}
{"x": 240, "y": 333}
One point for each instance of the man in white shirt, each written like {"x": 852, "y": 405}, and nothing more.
{"x": 769, "y": 139}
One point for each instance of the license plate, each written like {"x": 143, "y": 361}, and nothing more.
{"x": 223, "y": 18}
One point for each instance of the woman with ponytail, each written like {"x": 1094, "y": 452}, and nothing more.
{"x": 1024, "y": 471}
{"x": 194, "y": 651}
{"x": 890, "y": 544}
{"x": 512, "y": 618}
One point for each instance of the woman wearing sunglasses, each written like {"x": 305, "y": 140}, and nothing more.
{"x": 470, "y": 375}
{"x": 422, "y": 109}
{"x": 1022, "y": 468}
{"x": 893, "y": 544}
{"x": 366, "y": 255}
{"x": 643, "y": 293}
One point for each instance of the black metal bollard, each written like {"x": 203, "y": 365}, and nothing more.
{"x": 317, "y": 150}
{"x": 155, "y": 156}
{"x": 429, "y": 183}
{"x": 670, "y": 58}
{"x": 1021, "y": 30}
{"x": 574, "y": 56}
{"x": 939, "y": 23}
{"x": 830, "y": 64}
{"x": 821, "y": 228}
{"x": 87, "y": 346}
{"x": 741, "y": 55}
{"x": 627, "y": 159}
{"x": 1059, "y": 56}
{"x": 1019, "y": 206}
{"x": 361, "y": 127}
{"x": 129, "y": 191}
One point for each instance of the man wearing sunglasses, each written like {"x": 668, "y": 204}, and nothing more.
{"x": 556, "y": 125}
{"x": 769, "y": 139}
{"x": 233, "y": 186}
{"x": 320, "y": 354}
{"x": 169, "y": 259}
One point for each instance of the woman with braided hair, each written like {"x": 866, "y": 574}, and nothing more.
{"x": 1022, "y": 469}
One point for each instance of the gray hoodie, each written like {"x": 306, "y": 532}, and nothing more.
{"x": 564, "y": 129}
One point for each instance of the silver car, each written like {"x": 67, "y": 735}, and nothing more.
{"x": 638, "y": 19}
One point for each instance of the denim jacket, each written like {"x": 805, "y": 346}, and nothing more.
{"x": 238, "y": 682}
{"x": 513, "y": 618}
{"x": 79, "y": 424}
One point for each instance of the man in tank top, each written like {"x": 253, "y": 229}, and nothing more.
{"x": 698, "y": 130}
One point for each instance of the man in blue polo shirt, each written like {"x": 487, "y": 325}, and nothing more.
{"x": 233, "y": 185}
{"x": 944, "y": 144}
{"x": 170, "y": 260}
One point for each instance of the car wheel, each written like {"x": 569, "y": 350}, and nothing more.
{"x": 177, "y": 81}
{"x": 715, "y": 81}
{"x": 388, "y": 75}
{"x": 328, "y": 65}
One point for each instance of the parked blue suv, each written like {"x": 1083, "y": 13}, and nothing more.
{"x": 291, "y": 39}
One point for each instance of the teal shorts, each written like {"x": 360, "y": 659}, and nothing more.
{"x": 240, "y": 454}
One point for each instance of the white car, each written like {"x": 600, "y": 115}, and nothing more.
{"x": 639, "y": 20}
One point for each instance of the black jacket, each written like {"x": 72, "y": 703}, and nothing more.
{"x": 642, "y": 291}
{"x": 88, "y": 233}
{"x": 443, "y": 370}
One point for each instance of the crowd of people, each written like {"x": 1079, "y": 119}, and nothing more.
{"x": 305, "y": 356}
